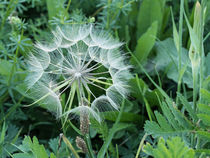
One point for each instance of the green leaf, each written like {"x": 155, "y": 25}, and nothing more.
{"x": 126, "y": 116}
{"x": 23, "y": 155}
{"x": 204, "y": 134}
{"x": 31, "y": 149}
{"x": 5, "y": 67}
{"x": 173, "y": 122}
{"x": 206, "y": 95}
{"x": 52, "y": 155}
{"x": 155, "y": 130}
{"x": 55, "y": 7}
{"x": 175, "y": 33}
{"x": 187, "y": 106}
{"x": 167, "y": 60}
{"x": 207, "y": 151}
{"x": 146, "y": 42}
{"x": 204, "y": 114}
{"x": 150, "y": 95}
{"x": 181, "y": 118}
{"x": 204, "y": 108}
{"x": 173, "y": 148}
{"x": 207, "y": 71}
{"x": 205, "y": 118}
{"x": 193, "y": 37}
{"x": 168, "y": 114}
{"x": 115, "y": 128}
{"x": 150, "y": 11}
{"x": 162, "y": 121}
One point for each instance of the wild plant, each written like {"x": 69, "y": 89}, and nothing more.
{"x": 78, "y": 58}
{"x": 183, "y": 118}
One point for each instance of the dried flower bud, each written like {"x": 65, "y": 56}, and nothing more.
{"x": 84, "y": 122}
{"x": 81, "y": 144}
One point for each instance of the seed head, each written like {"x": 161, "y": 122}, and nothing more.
{"x": 78, "y": 55}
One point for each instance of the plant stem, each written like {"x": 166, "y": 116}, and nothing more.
{"x": 89, "y": 146}
{"x": 99, "y": 81}
{"x": 112, "y": 131}
{"x": 67, "y": 142}
{"x": 149, "y": 111}
{"x": 8, "y": 12}
{"x": 141, "y": 145}
{"x": 15, "y": 60}
{"x": 108, "y": 14}
{"x": 195, "y": 87}
{"x": 148, "y": 76}
{"x": 70, "y": 100}
{"x": 67, "y": 8}
{"x": 201, "y": 48}
{"x": 180, "y": 46}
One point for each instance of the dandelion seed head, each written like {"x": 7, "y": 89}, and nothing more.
{"x": 83, "y": 55}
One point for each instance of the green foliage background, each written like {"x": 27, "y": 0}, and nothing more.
{"x": 167, "y": 114}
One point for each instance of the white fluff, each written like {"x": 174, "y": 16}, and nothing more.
{"x": 75, "y": 55}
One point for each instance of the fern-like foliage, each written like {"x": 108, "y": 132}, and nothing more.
{"x": 172, "y": 148}
{"x": 193, "y": 127}
{"x": 204, "y": 108}
{"x": 32, "y": 149}
{"x": 172, "y": 123}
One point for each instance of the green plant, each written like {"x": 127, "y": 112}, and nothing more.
{"x": 32, "y": 149}
{"x": 167, "y": 101}
{"x": 175, "y": 148}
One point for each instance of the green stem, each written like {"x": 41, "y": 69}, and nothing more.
{"x": 195, "y": 87}
{"x": 112, "y": 131}
{"x": 67, "y": 142}
{"x": 10, "y": 8}
{"x": 99, "y": 81}
{"x": 67, "y": 8}
{"x": 108, "y": 14}
{"x": 149, "y": 111}
{"x": 148, "y": 76}
{"x": 201, "y": 48}
{"x": 180, "y": 45}
{"x": 141, "y": 145}
{"x": 70, "y": 100}
{"x": 12, "y": 109}
{"x": 89, "y": 146}
{"x": 15, "y": 59}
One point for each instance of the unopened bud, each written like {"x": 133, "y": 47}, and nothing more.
{"x": 81, "y": 144}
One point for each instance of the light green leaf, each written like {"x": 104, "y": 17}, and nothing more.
{"x": 167, "y": 59}
{"x": 150, "y": 95}
{"x": 150, "y": 11}
{"x": 206, "y": 95}
{"x": 31, "y": 149}
{"x": 175, "y": 33}
{"x": 173, "y": 148}
{"x": 205, "y": 118}
{"x": 55, "y": 7}
{"x": 146, "y": 42}
{"x": 126, "y": 116}
{"x": 187, "y": 106}
{"x": 204, "y": 108}
{"x": 204, "y": 134}
{"x": 5, "y": 67}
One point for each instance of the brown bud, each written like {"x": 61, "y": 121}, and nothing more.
{"x": 81, "y": 144}
{"x": 84, "y": 122}
{"x": 84, "y": 118}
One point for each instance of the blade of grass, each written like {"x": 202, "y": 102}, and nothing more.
{"x": 112, "y": 131}
{"x": 67, "y": 142}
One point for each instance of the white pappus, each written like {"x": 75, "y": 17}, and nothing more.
{"x": 78, "y": 57}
